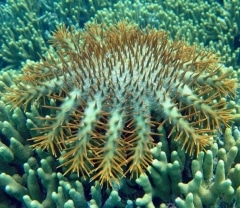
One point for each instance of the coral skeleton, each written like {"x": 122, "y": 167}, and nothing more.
{"x": 107, "y": 90}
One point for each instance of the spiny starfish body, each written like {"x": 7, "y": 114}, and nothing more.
{"x": 111, "y": 87}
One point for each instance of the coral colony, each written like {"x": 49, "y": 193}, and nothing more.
{"x": 107, "y": 90}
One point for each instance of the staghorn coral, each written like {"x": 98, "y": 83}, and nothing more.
{"x": 26, "y": 26}
{"x": 208, "y": 180}
{"x": 108, "y": 90}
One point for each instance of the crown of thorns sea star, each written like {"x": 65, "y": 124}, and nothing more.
{"x": 112, "y": 87}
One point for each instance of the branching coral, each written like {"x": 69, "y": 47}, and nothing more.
{"x": 26, "y": 25}
{"x": 108, "y": 90}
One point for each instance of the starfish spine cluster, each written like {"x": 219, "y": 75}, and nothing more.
{"x": 106, "y": 90}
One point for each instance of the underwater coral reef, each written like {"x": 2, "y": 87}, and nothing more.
{"x": 119, "y": 113}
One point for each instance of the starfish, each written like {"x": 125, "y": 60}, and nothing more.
{"x": 105, "y": 91}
